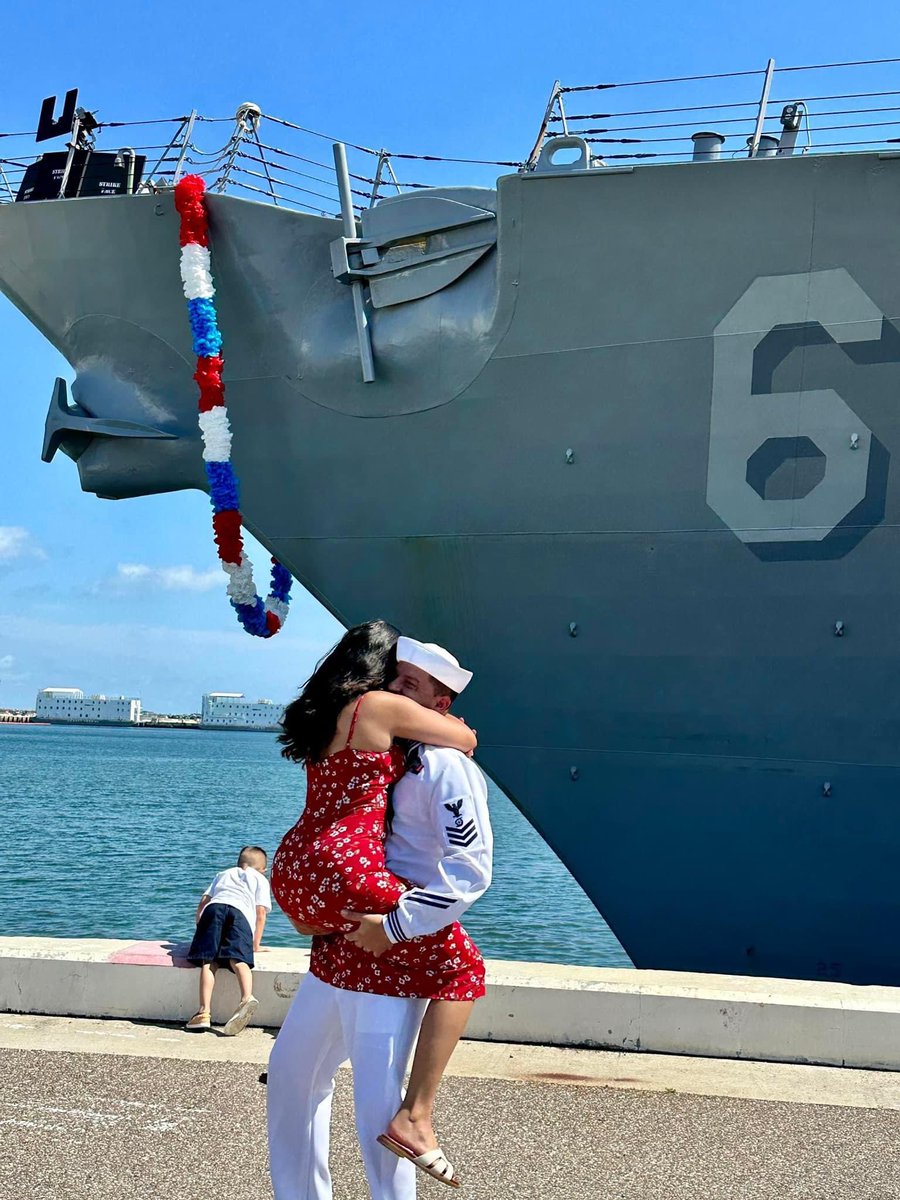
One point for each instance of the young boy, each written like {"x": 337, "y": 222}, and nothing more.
{"x": 230, "y": 920}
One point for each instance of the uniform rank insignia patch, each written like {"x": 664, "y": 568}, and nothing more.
{"x": 460, "y": 833}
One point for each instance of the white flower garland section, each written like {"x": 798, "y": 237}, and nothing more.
{"x": 216, "y": 433}
{"x": 196, "y": 272}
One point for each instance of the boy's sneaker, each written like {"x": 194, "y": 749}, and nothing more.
{"x": 245, "y": 1011}
{"x": 198, "y": 1023}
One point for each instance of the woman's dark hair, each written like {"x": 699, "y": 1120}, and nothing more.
{"x": 364, "y": 660}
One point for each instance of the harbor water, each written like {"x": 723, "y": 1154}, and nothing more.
{"x": 116, "y": 833}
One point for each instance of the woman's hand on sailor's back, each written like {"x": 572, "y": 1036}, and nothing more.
{"x": 469, "y": 753}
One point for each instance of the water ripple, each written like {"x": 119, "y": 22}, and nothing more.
{"x": 118, "y": 832}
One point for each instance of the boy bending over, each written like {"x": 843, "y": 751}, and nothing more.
{"x": 230, "y": 920}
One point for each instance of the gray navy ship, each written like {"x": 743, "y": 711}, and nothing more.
{"x": 618, "y": 430}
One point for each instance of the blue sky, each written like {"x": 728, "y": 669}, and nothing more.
{"x": 126, "y": 597}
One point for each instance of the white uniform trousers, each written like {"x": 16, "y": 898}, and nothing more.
{"x": 324, "y": 1027}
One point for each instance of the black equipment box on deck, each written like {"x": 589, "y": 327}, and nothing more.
{"x": 93, "y": 173}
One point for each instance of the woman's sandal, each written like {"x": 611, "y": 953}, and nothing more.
{"x": 199, "y": 1022}
{"x": 433, "y": 1162}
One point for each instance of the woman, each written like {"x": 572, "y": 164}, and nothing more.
{"x": 343, "y": 728}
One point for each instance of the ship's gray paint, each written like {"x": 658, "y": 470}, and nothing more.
{"x": 735, "y": 800}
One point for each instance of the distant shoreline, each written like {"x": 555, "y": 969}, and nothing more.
{"x": 19, "y": 722}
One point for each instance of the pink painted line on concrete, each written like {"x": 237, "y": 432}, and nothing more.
{"x": 152, "y": 954}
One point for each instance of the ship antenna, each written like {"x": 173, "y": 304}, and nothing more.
{"x": 262, "y": 618}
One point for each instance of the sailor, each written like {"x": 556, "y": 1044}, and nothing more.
{"x": 440, "y": 829}
{"x": 365, "y": 996}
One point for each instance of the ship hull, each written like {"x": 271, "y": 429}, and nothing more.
{"x": 613, "y": 468}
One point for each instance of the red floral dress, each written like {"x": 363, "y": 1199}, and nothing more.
{"x": 333, "y": 859}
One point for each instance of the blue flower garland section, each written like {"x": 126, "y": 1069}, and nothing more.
{"x": 205, "y": 331}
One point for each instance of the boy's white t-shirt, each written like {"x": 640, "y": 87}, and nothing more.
{"x": 245, "y": 888}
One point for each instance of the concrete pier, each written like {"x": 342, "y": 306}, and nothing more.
{"x": 601, "y": 1085}
{"x": 532, "y": 1003}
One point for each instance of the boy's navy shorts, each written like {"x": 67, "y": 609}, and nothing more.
{"x": 223, "y": 936}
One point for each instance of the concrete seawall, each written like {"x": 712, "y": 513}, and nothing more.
{"x": 715, "y": 1016}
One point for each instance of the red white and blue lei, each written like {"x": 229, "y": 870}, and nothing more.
{"x": 261, "y": 618}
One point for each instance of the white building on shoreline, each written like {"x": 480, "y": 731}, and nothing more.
{"x": 232, "y": 710}
{"x": 71, "y": 705}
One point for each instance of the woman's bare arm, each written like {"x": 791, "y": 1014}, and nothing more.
{"x": 405, "y": 718}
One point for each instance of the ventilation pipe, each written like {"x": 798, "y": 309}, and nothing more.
{"x": 767, "y": 147}
{"x": 707, "y": 146}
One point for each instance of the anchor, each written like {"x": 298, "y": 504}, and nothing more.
{"x": 70, "y": 428}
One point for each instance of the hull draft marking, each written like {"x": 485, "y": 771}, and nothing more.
{"x": 753, "y": 432}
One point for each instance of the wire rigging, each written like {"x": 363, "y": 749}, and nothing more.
{"x": 270, "y": 155}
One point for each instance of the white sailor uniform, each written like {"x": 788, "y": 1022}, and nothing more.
{"x": 441, "y": 836}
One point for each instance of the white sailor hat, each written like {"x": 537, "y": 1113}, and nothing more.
{"x": 435, "y": 661}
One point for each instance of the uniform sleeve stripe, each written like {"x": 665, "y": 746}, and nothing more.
{"x": 464, "y": 841}
{"x": 426, "y": 898}
{"x": 393, "y": 923}
{"x": 430, "y": 895}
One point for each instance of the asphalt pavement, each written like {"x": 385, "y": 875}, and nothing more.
{"x": 108, "y": 1126}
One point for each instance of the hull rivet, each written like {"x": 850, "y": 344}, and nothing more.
{"x": 839, "y": 629}
{"x": 826, "y": 788}
{"x": 573, "y": 629}
{"x": 573, "y": 773}
{"x": 570, "y": 456}
{"x": 854, "y": 441}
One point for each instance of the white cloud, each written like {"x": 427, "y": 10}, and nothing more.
{"x": 172, "y": 579}
{"x": 7, "y": 662}
{"x": 16, "y": 542}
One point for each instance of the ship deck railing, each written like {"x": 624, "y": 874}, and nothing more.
{"x": 844, "y": 107}
{"x": 848, "y": 106}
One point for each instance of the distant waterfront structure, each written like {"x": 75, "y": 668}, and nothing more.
{"x": 16, "y": 716}
{"x": 232, "y": 710}
{"x": 72, "y": 706}
{"x": 155, "y": 720}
